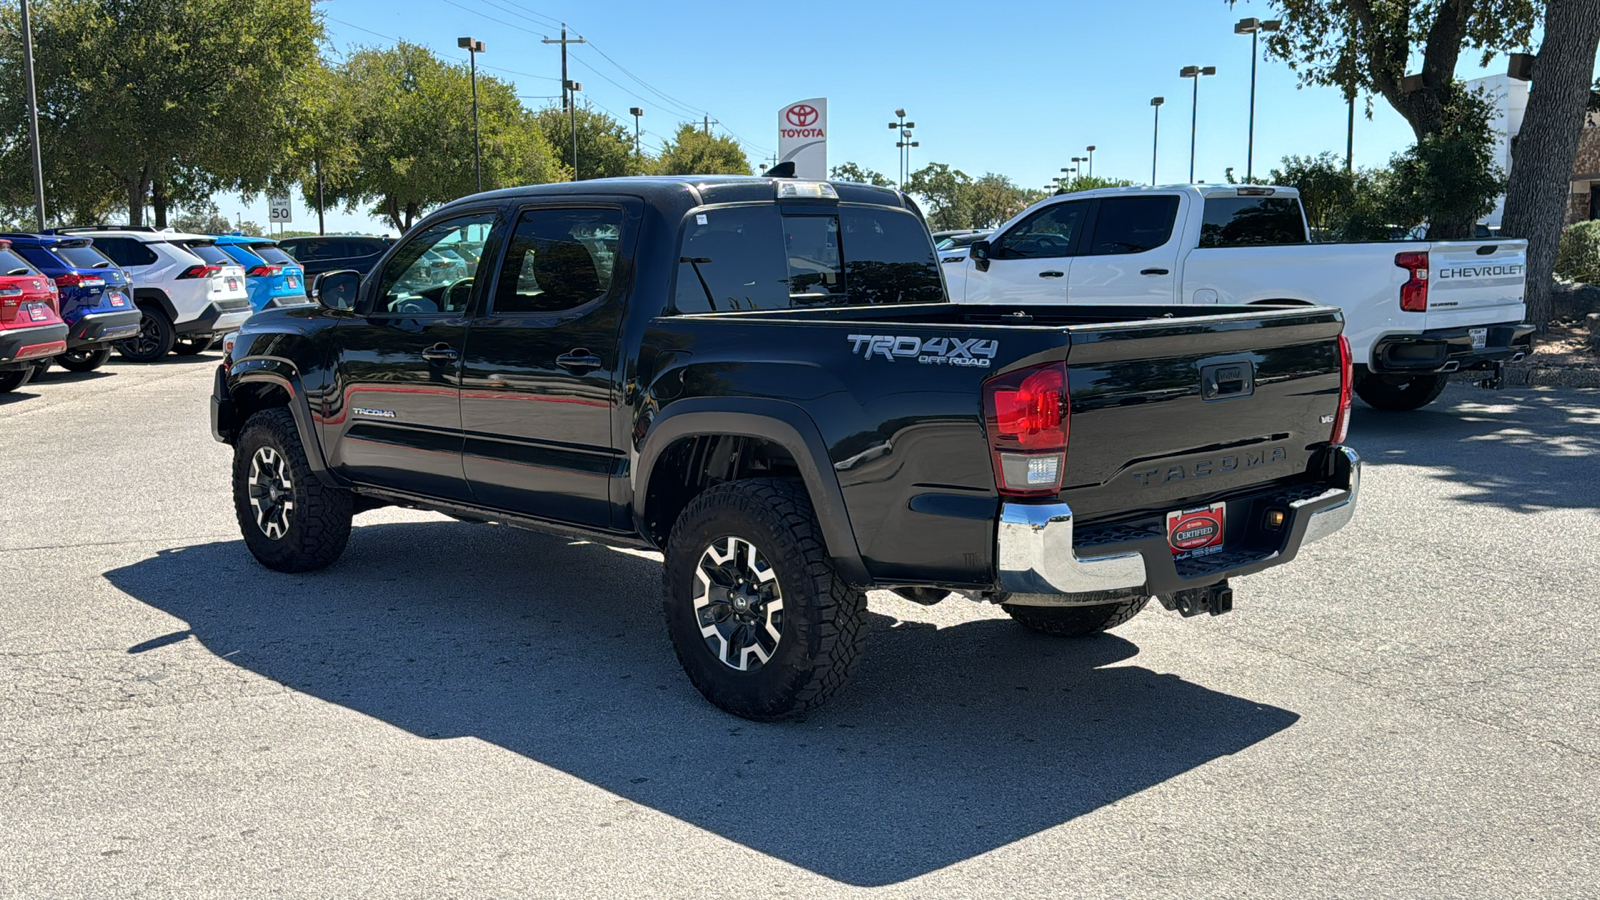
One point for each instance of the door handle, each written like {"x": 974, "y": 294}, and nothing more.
{"x": 440, "y": 353}
{"x": 1154, "y": 272}
{"x": 579, "y": 361}
{"x": 1051, "y": 274}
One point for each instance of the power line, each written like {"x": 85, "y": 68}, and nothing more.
{"x": 493, "y": 19}
{"x": 553, "y": 21}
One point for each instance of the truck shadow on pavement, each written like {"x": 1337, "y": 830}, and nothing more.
{"x": 1522, "y": 450}
{"x": 949, "y": 742}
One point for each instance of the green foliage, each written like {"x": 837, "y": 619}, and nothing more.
{"x": 850, "y": 171}
{"x": 1092, "y": 183}
{"x": 1327, "y": 191}
{"x": 1449, "y": 177}
{"x": 1578, "y": 256}
{"x": 205, "y": 219}
{"x": 693, "y": 152}
{"x": 945, "y": 195}
{"x": 605, "y": 146}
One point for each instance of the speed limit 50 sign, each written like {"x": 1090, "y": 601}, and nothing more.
{"x": 280, "y": 210}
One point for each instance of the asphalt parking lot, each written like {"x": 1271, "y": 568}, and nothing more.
{"x": 1410, "y": 709}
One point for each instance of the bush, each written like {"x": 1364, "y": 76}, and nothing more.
{"x": 1578, "y": 257}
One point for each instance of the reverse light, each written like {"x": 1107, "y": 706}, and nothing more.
{"x": 1341, "y": 420}
{"x": 258, "y": 271}
{"x": 200, "y": 271}
{"x": 73, "y": 279}
{"x": 1414, "y": 293}
{"x": 1028, "y": 414}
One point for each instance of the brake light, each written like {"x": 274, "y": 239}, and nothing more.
{"x": 1414, "y": 293}
{"x": 1341, "y": 421}
{"x": 258, "y": 271}
{"x": 73, "y": 279}
{"x": 1028, "y": 415}
{"x": 200, "y": 271}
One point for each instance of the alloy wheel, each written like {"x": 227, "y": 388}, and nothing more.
{"x": 271, "y": 492}
{"x": 147, "y": 341}
{"x": 738, "y": 604}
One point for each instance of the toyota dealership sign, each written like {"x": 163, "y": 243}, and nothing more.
{"x": 803, "y": 137}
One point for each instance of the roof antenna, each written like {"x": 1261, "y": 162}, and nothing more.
{"x": 784, "y": 169}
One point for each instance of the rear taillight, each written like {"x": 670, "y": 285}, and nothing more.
{"x": 1028, "y": 413}
{"x": 73, "y": 279}
{"x": 1414, "y": 293}
{"x": 1347, "y": 373}
{"x": 258, "y": 271}
{"x": 200, "y": 271}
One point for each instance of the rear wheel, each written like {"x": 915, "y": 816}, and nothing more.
{"x": 191, "y": 346}
{"x": 1401, "y": 393}
{"x": 154, "y": 340}
{"x": 41, "y": 366}
{"x": 1075, "y": 621}
{"x": 290, "y": 521}
{"x": 12, "y": 379}
{"x": 84, "y": 359}
{"x": 762, "y": 624}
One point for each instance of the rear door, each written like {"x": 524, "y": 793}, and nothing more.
{"x": 542, "y": 374}
{"x": 1476, "y": 283}
{"x": 1131, "y": 253}
{"x": 1030, "y": 261}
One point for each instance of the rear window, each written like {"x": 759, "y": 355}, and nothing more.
{"x": 753, "y": 257}
{"x": 241, "y": 254}
{"x": 83, "y": 257}
{"x": 12, "y": 264}
{"x": 211, "y": 254}
{"x": 1250, "y": 221}
{"x": 1133, "y": 224}
{"x": 271, "y": 254}
{"x": 125, "y": 251}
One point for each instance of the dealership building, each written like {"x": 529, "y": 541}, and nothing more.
{"x": 1510, "y": 99}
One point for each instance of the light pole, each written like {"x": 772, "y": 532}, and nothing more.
{"x": 573, "y": 87}
{"x": 903, "y": 130}
{"x": 1194, "y": 111}
{"x": 1077, "y": 166}
{"x": 636, "y": 111}
{"x": 1091, "y": 160}
{"x": 473, "y": 48}
{"x": 33, "y": 112}
{"x": 1155, "y": 136}
{"x": 1253, "y": 27}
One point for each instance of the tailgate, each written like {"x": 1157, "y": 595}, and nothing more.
{"x": 1476, "y": 282}
{"x": 1168, "y": 415}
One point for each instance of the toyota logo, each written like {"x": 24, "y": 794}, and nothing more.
{"x": 801, "y": 115}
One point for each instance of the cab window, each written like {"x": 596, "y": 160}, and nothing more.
{"x": 1133, "y": 224}
{"x": 1251, "y": 221}
{"x": 434, "y": 271}
{"x": 1047, "y": 234}
{"x": 559, "y": 259}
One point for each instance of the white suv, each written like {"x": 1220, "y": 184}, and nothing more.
{"x": 189, "y": 290}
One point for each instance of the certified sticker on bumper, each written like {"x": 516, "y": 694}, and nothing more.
{"x": 1479, "y": 337}
{"x": 1196, "y": 532}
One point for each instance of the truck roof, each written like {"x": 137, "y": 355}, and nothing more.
{"x": 691, "y": 190}
{"x": 1202, "y": 190}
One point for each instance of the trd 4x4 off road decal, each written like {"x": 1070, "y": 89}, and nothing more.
{"x": 975, "y": 352}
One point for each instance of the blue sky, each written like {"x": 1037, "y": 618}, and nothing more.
{"x": 1016, "y": 87}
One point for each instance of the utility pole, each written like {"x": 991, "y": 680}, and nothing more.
{"x": 33, "y": 112}
{"x": 473, "y": 48}
{"x": 706, "y": 125}
{"x": 1350, "y": 137}
{"x": 567, "y": 90}
{"x": 316, "y": 163}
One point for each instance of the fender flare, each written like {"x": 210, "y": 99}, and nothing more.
{"x": 158, "y": 298}
{"x": 282, "y": 373}
{"x": 780, "y": 422}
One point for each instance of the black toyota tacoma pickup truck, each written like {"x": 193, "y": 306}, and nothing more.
{"x": 763, "y": 379}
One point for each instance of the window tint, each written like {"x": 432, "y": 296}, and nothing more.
{"x": 125, "y": 251}
{"x": 241, "y": 254}
{"x": 1046, "y": 234}
{"x": 212, "y": 254}
{"x": 271, "y": 254}
{"x": 811, "y": 244}
{"x": 84, "y": 257}
{"x": 434, "y": 270}
{"x": 1243, "y": 221}
{"x": 40, "y": 258}
{"x": 732, "y": 259}
{"x": 1133, "y": 224}
{"x": 559, "y": 259}
{"x": 364, "y": 246}
{"x": 12, "y": 264}
{"x": 319, "y": 249}
{"x": 888, "y": 257}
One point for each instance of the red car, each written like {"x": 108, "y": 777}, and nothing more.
{"x": 30, "y": 319}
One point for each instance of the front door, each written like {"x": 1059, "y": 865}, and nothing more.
{"x": 396, "y": 419}
{"x": 541, "y": 377}
{"x": 1031, "y": 261}
{"x": 1131, "y": 255}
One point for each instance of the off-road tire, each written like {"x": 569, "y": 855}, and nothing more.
{"x": 1075, "y": 621}
{"x": 155, "y": 339}
{"x": 1413, "y": 392}
{"x": 824, "y": 621}
{"x": 318, "y": 526}
{"x": 84, "y": 359}
{"x": 12, "y": 379}
{"x": 192, "y": 346}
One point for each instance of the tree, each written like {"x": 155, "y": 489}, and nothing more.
{"x": 605, "y": 146}
{"x": 157, "y": 101}
{"x": 1366, "y": 46}
{"x": 1325, "y": 187}
{"x": 849, "y": 171}
{"x": 410, "y": 122}
{"x": 1092, "y": 183}
{"x": 693, "y": 152}
{"x": 944, "y": 193}
{"x": 205, "y": 219}
{"x": 1449, "y": 177}
{"x": 996, "y": 198}
{"x": 1547, "y": 144}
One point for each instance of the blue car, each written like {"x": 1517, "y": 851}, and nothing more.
{"x": 96, "y": 295}
{"x": 272, "y": 276}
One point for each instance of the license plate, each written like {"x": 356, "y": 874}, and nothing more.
{"x": 233, "y": 284}
{"x": 1479, "y": 337}
{"x": 1197, "y": 531}
{"x": 293, "y": 281}
{"x": 118, "y": 300}
{"x": 38, "y": 313}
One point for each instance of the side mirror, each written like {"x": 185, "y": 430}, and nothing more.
{"x": 979, "y": 251}
{"x": 337, "y": 290}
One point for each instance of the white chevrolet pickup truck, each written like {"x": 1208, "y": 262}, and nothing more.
{"x": 1414, "y": 311}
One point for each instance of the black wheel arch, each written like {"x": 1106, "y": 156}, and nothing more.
{"x": 157, "y": 298}
{"x": 257, "y": 384}
{"x": 681, "y": 454}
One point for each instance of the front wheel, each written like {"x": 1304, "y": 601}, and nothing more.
{"x": 1401, "y": 393}
{"x": 762, "y": 624}
{"x": 154, "y": 340}
{"x": 84, "y": 359}
{"x": 12, "y": 379}
{"x": 1075, "y": 621}
{"x": 290, "y": 521}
